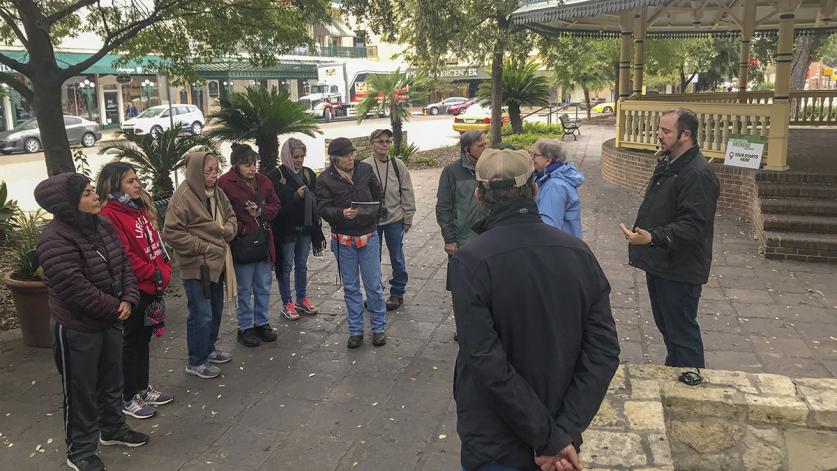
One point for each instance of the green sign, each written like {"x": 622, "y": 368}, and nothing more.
{"x": 744, "y": 151}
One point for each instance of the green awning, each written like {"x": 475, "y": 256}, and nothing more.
{"x": 241, "y": 70}
{"x": 104, "y": 66}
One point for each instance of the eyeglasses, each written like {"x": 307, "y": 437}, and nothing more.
{"x": 212, "y": 174}
{"x": 384, "y": 141}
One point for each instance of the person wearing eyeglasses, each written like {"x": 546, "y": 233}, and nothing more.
{"x": 558, "y": 180}
{"x": 399, "y": 208}
{"x": 200, "y": 223}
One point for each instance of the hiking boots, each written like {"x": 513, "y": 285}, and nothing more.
{"x": 265, "y": 333}
{"x": 248, "y": 338}
{"x": 394, "y": 302}
{"x": 355, "y": 341}
{"x": 379, "y": 339}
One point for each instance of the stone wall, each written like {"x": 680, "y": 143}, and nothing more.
{"x": 733, "y": 421}
{"x": 362, "y": 146}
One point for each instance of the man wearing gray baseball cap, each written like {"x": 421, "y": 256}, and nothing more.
{"x": 537, "y": 340}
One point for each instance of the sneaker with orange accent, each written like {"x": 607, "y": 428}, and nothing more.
{"x": 306, "y": 307}
{"x": 289, "y": 311}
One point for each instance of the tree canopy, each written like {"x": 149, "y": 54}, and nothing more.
{"x": 182, "y": 33}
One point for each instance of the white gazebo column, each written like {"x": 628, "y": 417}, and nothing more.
{"x": 625, "y": 23}
{"x": 777, "y": 153}
{"x": 747, "y": 27}
{"x": 640, "y": 24}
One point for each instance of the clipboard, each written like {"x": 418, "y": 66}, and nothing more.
{"x": 366, "y": 208}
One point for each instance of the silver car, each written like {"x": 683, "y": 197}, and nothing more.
{"x": 26, "y": 137}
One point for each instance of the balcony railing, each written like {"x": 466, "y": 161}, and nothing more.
{"x": 330, "y": 51}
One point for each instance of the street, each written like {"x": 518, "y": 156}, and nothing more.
{"x": 22, "y": 172}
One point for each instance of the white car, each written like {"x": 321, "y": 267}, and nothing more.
{"x": 156, "y": 119}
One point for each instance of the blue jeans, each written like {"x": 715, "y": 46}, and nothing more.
{"x": 355, "y": 263}
{"x": 394, "y": 234}
{"x": 295, "y": 257}
{"x": 675, "y": 307}
{"x": 203, "y": 320}
{"x": 254, "y": 281}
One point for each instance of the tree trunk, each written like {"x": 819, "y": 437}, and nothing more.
{"x": 163, "y": 187}
{"x": 497, "y": 81}
{"x": 516, "y": 120}
{"x": 397, "y": 132}
{"x": 586, "y": 99}
{"x": 50, "y": 114}
{"x": 804, "y": 48}
{"x": 268, "y": 146}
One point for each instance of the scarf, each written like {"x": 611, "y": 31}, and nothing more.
{"x": 123, "y": 198}
{"x": 229, "y": 269}
{"x": 346, "y": 175}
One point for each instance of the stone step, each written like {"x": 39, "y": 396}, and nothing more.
{"x": 804, "y": 246}
{"x": 800, "y": 206}
{"x": 800, "y": 223}
{"x": 792, "y": 177}
{"x": 797, "y": 190}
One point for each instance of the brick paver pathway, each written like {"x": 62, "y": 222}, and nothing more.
{"x": 306, "y": 402}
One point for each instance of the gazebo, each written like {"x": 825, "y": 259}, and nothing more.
{"x": 784, "y": 117}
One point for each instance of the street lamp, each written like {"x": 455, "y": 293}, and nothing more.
{"x": 87, "y": 88}
{"x": 197, "y": 87}
{"x": 228, "y": 87}
{"x": 148, "y": 86}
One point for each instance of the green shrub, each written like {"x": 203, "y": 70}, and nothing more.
{"x": 532, "y": 127}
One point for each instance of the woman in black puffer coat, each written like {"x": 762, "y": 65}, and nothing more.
{"x": 92, "y": 289}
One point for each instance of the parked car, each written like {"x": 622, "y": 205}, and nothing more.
{"x": 461, "y": 107}
{"x": 156, "y": 119}
{"x": 476, "y": 117}
{"x": 604, "y": 108}
{"x": 442, "y": 106}
{"x": 26, "y": 137}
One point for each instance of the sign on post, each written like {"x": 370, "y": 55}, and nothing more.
{"x": 744, "y": 151}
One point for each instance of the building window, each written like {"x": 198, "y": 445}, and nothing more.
{"x": 360, "y": 38}
{"x": 214, "y": 91}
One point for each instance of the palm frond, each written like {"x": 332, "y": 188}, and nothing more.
{"x": 259, "y": 112}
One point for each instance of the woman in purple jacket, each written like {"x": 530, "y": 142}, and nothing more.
{"x": 91, "y": 291}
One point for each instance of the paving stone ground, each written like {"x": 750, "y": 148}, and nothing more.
{"x": 305, "y": 402}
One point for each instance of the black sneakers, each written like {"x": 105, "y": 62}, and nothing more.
{"x": 265, "y": 333}
{"x": 355, "y": 341}
{"x": 379, "y": 339}
{"x": 90, "y": 463}
{"x": 394, "y": 302}
{"x": 248, "y": 338}
{"x": 131, "y": 438}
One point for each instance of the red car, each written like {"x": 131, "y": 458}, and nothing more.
{"x": 461, "y": 107}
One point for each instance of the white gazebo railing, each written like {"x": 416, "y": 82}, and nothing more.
{"x": 639, "y": 119}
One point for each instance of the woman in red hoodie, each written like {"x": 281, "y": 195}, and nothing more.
{"x": 121, "y": 195}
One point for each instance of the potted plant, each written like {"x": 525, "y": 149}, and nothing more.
{"x": 29, "y": 292}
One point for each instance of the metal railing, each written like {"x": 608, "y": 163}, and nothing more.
{"x": 330, "y": 51}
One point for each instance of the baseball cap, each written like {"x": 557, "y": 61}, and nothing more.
{"x": 378, "y": 133}
{"x": 340, "y": 146}
{"x": 504, "y": 168}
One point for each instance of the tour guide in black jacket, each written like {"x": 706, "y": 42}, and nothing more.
{"x": 537, "y": 341}
{"x": 672, "y": 237}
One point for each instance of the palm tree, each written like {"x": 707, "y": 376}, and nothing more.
{"x": 262, "y": 115}
{"x": 522, "y": 86}
{"x": 384, "y": 97}
{"x": 157, "y": 158}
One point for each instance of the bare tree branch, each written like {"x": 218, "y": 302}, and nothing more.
{"x": 67, "y": 11}
{"x": 10, "y": 21}
{"x": 12, "y": 81}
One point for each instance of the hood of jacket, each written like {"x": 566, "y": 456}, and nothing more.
{"x": 194, "y": 172}
{"x": 566, "y": 172}
{"x": 60, "y": 195}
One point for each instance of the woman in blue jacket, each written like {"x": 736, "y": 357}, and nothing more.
{"x": 558, "y": 182}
